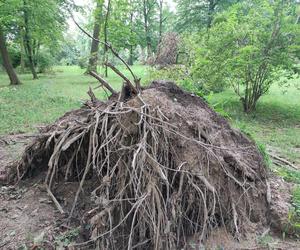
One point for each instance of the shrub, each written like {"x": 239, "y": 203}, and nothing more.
{"x": 44, "y": 61}
{"x": 244, "y": 48}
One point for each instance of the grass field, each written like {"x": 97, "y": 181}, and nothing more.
{"x": 275, "y": 123}
{"x": 41, "y": 101}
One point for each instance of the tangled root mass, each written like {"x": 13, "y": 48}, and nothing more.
{"x": 162, "y": 167}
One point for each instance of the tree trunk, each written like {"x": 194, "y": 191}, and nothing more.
{"x": 146, "y": 28}
{"x": 22, "y": 63}
{"x": 130, "y": 60}
{"x": 105, "y": 36}
{"x": 161, "y": 2}
{"x": 27, "y": 41}
{"x": 92, "y": 66}
{"x": 14, "y": 80}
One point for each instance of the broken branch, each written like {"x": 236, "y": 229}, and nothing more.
{"x": 115, "y": 53}
{"x": 56, "y": 203}
{"x": 103, "y": 82}
{"x": 118, "y": 72}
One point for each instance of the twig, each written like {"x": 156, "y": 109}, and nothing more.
{"x": 58, "y": 206}
{"x": 92, "y": 95}
{"x": 103, "y": 82}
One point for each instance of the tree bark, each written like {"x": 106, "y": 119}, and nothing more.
{"x": 23, "y": 53}
{"x": 146, "y": 10}
{"x": 92, "y": 66}
{"x": 14, "y": 80}
{"x": 106, "y": 35}
{"x": 130, "y": 60}
{"x": 27, "y": 41}
{"x": 161, "y": 3}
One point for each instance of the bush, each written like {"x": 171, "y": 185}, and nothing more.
{"x": 83, "y": 62}
{"x": 45, "y": 61}
{"x": 244, "y": 48}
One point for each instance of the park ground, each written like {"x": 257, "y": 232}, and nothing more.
{"x": 275, "y": 125}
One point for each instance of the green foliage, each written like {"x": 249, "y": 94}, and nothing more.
{"x": 293, "y": 226}
{"x": 45, "y": 61}
{"x": 245, "y": 46}
{"x": 265, "y": 240}
{"x": 194, "y": 15}
{"x": 288, "y": 174}
{"x": 67, "y": 238}
{"x": 296, "y": 199}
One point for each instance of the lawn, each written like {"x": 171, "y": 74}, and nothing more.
{"x": 38, "y": 102}
{"x": 275, "y": 123}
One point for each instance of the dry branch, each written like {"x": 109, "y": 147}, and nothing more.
{"x": 103, "y": 82}
{"x": 119, "y": 73}
{"x": 115, "y": 53}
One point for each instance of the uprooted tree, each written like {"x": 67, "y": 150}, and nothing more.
{"x": 167, "y": 50}
{"x": 154, "y": 168}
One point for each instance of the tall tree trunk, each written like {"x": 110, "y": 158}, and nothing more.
{"x": 27, "y": 41}
{"x": 106, "y": 36}
{"x": 92, "y": 66}
{"x": 161, "y": 3}
{"x": 35, "y": 52}
{"x": 130, "y": 60}
{"x": 14, "y": 80}
{"x": 23, "y": 53}
{"x": 146, "y": 28}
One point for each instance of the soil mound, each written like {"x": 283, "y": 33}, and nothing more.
{"x": 151, "y": 172}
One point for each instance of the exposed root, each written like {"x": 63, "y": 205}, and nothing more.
{"x": 161, "y": 171}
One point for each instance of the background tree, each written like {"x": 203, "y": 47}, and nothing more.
{"x": 107, "y": 14}
{"x": 148, "y": 11}
{"x": 92, "y": 65}
{"x": 14, "y": 80}
{"x": 247, "y": 45}
{"x": 193, "y": 15}
{"x": 8, "y": 25}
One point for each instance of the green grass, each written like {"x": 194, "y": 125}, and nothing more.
{"x": 38, "y": 102}
{"x": 275, "y": 123}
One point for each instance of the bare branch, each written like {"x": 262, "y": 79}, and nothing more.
{"x": 118, "y": 72}
{"x": 115, "y": 53}
{"x": 103, "y": 82}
